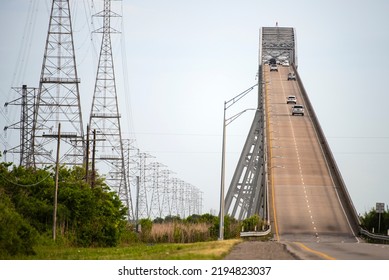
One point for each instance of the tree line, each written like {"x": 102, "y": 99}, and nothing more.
{"x": 375, "y": 222}
{"x": 95, "y": 217}
{"x": 85, "y": 216}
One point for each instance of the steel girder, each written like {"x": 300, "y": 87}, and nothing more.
{"x": 247, "y": 194}
{"x": 278, "y": 43}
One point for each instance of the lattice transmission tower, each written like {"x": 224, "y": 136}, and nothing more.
{"x": 143, "y": 189}
{"x": 131, "y": 164}
{"x": 105, "y": 116}
{"x": 27, "y": 104}
{"x": 58, "y": 99}
{"x": 156, "y": 190}
{"x": 166, "y": 193}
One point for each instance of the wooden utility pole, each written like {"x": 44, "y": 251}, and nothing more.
{"x": 93, "y": 159}
{"x": 87, "y": 179}
{"x": 56, "y": 183}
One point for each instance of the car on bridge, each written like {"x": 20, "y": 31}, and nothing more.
{"x": 285, "y": 63}
{"x": 273, "y": 67}
{"x": 272, "y": 61}
{"x": 291, "y": 99}
{"x": 298, "y": 110}
{"x": 291, "y": 76}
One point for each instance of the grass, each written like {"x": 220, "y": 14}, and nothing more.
{"x": 212, "y": 250}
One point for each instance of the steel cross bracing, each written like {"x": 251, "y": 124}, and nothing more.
{"x": 142, "y": 201}
{"x": 278, "y": 43}
{"x": 105, "y": 116}
{"x": 58, "y": 99}
{"x": 247, "y": 194}
{"x": 175, "y": 211}
{"x": 130, "y": 164}
{"x": 27, "y": 103}
{"x": 166, "y": 193}
{"x": 155, "y": 209}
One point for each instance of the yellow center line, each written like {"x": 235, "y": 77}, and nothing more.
{"x": 270, "y": 155}
{"x": 320, "y": 254}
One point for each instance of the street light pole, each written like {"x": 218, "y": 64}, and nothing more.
{"x": 228, "y": 104}
{"x": 223, "y": 171}
{"x": 221, "y": 223}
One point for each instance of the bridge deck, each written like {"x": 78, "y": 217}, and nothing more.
{"x": 304, "y": 199}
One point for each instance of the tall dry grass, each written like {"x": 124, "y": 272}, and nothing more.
{"x": 180, "y": 232}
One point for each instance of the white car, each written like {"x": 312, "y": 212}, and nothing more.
{"x": 291, "y": 99}
{"x": 273, "y": 67}
{"x": 298, "y": 110}
{"x": 291, "y": 76}
{"x": 285, "y": 63}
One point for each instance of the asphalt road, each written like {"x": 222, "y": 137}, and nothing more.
{"x": 306, "y": 210}
{"x": 338, "y": 251}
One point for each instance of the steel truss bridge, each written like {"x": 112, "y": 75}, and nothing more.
{"x": 286, "y": 172}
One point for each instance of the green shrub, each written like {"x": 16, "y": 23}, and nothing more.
{"x": 370, "y": 221}
{"x": 253, "y": 223}
{"x": 86, "y": 216}
{"x": 128, "y": 235}
{"x": 177, "y": 234}
{"x": 16, "y": 234}
{"x": 145, "y": 229}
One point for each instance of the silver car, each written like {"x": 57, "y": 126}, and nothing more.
{"x": 273, "y": 67}
{"x": 298, "y": 110}
{"x": 291, "y": 99}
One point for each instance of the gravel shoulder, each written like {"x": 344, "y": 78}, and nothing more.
{"x": 260, "y": 250}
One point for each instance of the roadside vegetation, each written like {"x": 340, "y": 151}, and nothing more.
{"x": 208, "y": 250}
{"x": 375, "y": 222}
{"x": 86, "y": 217}
{"x": 91, "y": 222}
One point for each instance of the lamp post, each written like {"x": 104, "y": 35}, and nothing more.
{"x": 221, "y": 222}
{"x": 228, "y": 104}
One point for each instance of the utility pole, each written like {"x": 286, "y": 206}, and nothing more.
{"x": 87, "y": 175}
{"x": 56, "y": 182}
{"x": 137, "y": 203}
{"x": 93, "y": 160}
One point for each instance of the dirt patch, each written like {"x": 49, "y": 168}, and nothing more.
{"x": 260, "y": 250}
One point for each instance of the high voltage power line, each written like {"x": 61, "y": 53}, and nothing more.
{"x": 146, "y": 189}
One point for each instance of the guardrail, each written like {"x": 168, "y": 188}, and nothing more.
{"x": 255, "y": 233}
{"x": 374, "y": 236}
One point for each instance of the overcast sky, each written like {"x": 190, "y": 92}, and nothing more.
{"x": 177, "y": 61}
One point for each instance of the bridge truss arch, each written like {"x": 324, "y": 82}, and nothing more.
{"x": 278, "y": 43}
